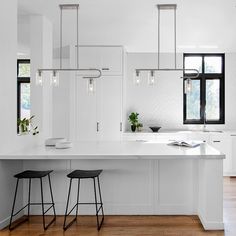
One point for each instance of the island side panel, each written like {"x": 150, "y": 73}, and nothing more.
{"x": 129, "y": 187}
{"x": 177, "y": 187}
{"x": 210, "y": 195}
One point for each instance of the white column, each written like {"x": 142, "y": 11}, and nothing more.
{"x": 8, "y": 49}
{"x": 41, "y": 57}
{"x": 8, "y": 134}
{"x": 210, "y": 195}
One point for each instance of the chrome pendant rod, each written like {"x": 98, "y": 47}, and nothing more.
{"x": 76, "y": 69}
{"x": 166, "y": 7}
{"x": 70, "y": 7}
{"x": 158, "y": 47}
{"x": 77, "y": 36}
{"x": 190, "y": 76}
{"x": 60, "y": 36}
{"x": 175, "y": 32}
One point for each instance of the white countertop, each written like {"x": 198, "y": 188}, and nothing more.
{"x": 116, "y": 150}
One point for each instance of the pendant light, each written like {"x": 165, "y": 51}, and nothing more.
{"x": 188, "y": 85}
{"x": 91, "y": 86}
{"x": 90, "y": 74}
{"x": 151, "y": 78}
{"x": 152, "y": 72}
{"x": 137, "y": 78}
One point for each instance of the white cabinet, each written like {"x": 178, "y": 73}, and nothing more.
{"x": 222, "y": 142}
{"x": 109, "y": 97}
{"x": 108, "y": 59}
{"x": 233, "y": 154}
{"x": 85, "y": 113}
{"x": 99, "y": 115}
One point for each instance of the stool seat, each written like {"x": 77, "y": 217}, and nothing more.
{"x": 31, "y": 174}
{"x": 84, "y": 174}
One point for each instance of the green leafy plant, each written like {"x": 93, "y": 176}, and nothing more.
{"x": 133, "y": 119}
{"x": 25, "y": 126}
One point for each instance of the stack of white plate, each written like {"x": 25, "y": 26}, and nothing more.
{"x": 59, "y": 143}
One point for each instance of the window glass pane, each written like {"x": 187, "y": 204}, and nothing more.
{"x": 213, "y": 64}
{"x": 25, "y": 100}
{"x": 193, "y": 63}
{"x": 193, "y": 101}
{"x": 213, "y": 99}
{"x": 24, "y": 70}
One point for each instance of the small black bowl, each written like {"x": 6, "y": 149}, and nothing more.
{"x": 154, "y": 129}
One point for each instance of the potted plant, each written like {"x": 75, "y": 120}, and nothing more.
{"x": 25, "y": 126}
{"x": 133, "y": 119}
{"x": 139, "y": 127}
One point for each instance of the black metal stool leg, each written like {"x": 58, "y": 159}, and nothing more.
{"x": 53, "y": 203}
{"x": 100, "y": 195}
{"x": 77, "y": 206}
{"x": 42, "y": 203}
{"x": 29, "y": 197}
{"x": 65, "y": 227}
{"x": 96, "y": 203}
{"x": 13, "y": 206}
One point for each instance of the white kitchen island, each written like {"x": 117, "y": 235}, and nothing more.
{"x": 139, "y": 178}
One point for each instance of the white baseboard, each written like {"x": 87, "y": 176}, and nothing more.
{"x": 211, "y": 225}
{"x": 5, "y": 222}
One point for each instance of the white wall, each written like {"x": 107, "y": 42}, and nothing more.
{"x": 8, "y": 137}
{"x": 162, "y": 104}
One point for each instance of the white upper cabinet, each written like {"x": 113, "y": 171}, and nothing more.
{"x": 109, "y": 59}
{"x": 109, "y": 100}
{"x": 85, "y": 113}
{"x": 98, "y": 116}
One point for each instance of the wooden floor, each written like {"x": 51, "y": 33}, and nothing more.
{"x": 137, "y": 225}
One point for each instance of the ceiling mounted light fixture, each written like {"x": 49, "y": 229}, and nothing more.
{"x": 89, "y": 74}
{"x": 152, "y": 72}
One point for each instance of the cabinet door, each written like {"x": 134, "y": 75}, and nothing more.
{"x": 111, "y": 60}
{"x": 108, "y": 59}
{"x": 233, "y": 142}
{"x": 89, "y": 57}
{"x": 109, "y": 91}
{"x": 222, "y": 142}
{"x": 86, "y": 112}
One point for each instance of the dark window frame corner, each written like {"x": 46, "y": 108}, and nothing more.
{"x": 203, "y": 77}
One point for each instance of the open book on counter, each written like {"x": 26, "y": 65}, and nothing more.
{"x": 186, "y": 143}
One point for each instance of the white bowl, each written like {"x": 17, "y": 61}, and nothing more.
{"x": 53, "y": 141}
{"x": 63, "y": 145}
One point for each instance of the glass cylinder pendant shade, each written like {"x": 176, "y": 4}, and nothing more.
{"x": 137, "y": 78}
{"x": 151, "y": 78}
{"x": 39, "y": 78}
{"x": 55, "y": 79}
{"x": 91, "y": 86}
{"x": 188, "y": 85}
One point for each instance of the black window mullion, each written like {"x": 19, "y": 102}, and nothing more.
{"x": 20, "y": 80}
{"x": 203, "y": 78}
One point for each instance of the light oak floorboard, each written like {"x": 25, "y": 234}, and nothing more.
{"x": 136, "y": 225}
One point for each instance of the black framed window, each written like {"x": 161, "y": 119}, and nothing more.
{"x": 23, "y": 88}
{"x": 204, "y": 100}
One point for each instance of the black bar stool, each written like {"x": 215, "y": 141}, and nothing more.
{"x": 30, "y": 174}
{"x": 84, "y": 174}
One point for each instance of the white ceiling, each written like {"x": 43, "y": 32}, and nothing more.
{"x": 202, "y": 25}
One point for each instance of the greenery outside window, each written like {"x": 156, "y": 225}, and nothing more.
{"x": 23, "y": 89}
{"x": 205, "y": 102}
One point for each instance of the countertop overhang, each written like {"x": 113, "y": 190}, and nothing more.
{"x": 115, "y": 150}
